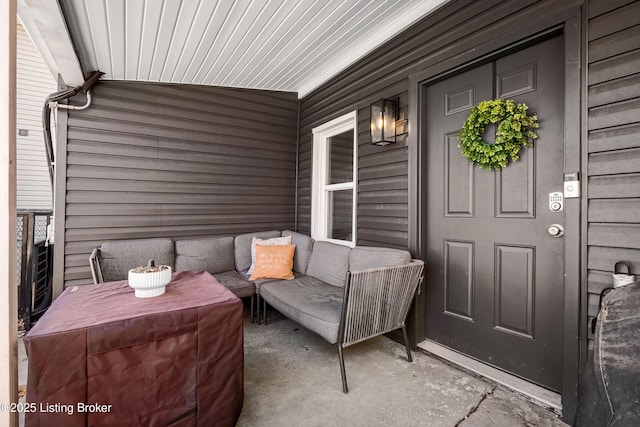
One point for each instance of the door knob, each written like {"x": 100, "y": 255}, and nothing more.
{"x": 555, "y": 230}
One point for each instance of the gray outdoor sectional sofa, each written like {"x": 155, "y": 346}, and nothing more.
{"x": 346, "y": 295}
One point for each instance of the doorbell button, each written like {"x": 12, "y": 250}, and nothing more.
{"x": 571, "y": 185}
{"x": 571, "y": 189}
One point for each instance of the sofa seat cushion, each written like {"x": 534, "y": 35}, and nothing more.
{"x": 312, "y": 303}
{"x": 261, "y": 282}
{"x": 237, "y": 284}
{"x": 365, "y": 258}
{"x": 120, "y": 256}
{"x": 214, "y": 255}
{"x": 329, "y": 263}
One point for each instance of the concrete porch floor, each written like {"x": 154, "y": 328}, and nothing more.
{"x": 292, "y": 378}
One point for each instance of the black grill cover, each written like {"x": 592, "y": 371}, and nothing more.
{"x": 610, "y": 391}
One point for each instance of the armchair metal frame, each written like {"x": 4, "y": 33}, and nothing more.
{"x": 94, "y": 263}
{"x": 377, "y": 302}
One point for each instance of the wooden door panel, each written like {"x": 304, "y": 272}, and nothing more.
{"x": 458, "y": 279}
{"x": 458, "y": 100}
{"x": 495, "y": 277}
{"x": 514, "y": 290}
{"x": 458, "y": 180}
{"x": 515, "y": 187}
{"x": 516, "y": 81}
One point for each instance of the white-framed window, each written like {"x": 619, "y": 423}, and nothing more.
{"x": 335, "y": 166}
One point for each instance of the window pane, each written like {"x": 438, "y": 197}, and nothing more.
{"x": 341, "y": 157}
{"x": 340, "y": 214}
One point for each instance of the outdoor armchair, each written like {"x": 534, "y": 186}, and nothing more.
{"x": 377, "y": 301}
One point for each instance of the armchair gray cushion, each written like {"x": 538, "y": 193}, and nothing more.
{"x": 308, "y": 301}
{"x": 118, "y": 257}
{"x": 364, "y": 258}
{"x": 214, "y": 255}
{"x": 261, "y": 282}
{"x": 329, "y": 263}
{"x": 304, "y": 246}
{"x": 243, "y": 247}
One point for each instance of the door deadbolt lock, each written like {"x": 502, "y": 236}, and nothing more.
{"x": 556, "y": 202}
{"x": 555, "y": 230}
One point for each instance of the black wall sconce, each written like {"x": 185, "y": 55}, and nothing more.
{"x": 385, "y": 123}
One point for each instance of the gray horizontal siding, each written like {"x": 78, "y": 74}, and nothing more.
{"x": 382, "y": 186}
{"x": 453, "y": 35}
{"x": 613, "y": 231}
{"x": 151, "y": 160}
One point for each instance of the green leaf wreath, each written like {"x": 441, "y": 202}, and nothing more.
{"x": 516, "y": 130}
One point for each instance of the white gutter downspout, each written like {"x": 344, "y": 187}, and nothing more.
{"x": 53, "y": 106}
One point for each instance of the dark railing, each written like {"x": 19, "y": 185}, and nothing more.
{"x": 34, "y": 266}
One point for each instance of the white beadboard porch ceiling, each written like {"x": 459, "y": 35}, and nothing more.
{"x": 286, "y": 45}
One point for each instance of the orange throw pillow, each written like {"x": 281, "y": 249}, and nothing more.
{"x": 273, "y": 262}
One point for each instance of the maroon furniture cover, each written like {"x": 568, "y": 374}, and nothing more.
{"x": 176, "y": 359}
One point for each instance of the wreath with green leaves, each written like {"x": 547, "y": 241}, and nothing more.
{"x": 516, "y": 130}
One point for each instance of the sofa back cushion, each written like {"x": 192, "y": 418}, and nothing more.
{"x": 120, "y": 256}
{"x": 242, "y": 247}
{"x": 329, "y": 262}
{"x": 364, "y": 258}
{"x": 304, "y": 247}
{"x": 214, "y": 255}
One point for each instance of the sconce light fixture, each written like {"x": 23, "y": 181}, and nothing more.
{"x": 384, "y": 122}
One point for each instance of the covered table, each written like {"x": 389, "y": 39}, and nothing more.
{"x": 101, "y": 356}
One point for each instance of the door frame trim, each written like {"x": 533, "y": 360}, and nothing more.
{"x": 569, "y": 23}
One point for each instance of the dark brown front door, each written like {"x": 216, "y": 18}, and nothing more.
{"x": 495, "y": 274}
